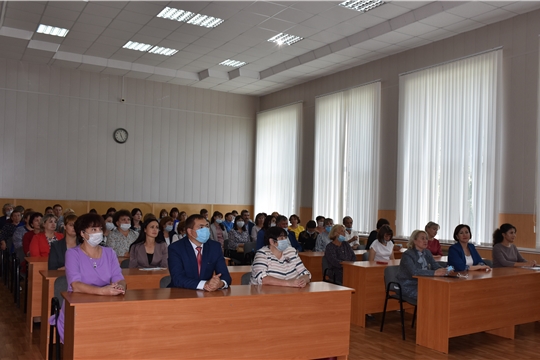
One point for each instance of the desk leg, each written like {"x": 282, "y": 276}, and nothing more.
{"x": 29, "y": 314}
{"x": 47, "y": 294}
{"x": 507, "y": 332}
{"x": 432, "y": 326}
{"x": 352, "y": 278}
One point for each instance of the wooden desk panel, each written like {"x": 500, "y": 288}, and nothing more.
{"x": 33, "y": 306}
{"x": 313, "y": 262}
{"x": 487, "y": 301}
{"x": 201, "y": 316}
{"x": 237, "y": 272}
{"x": 367, "y": 278}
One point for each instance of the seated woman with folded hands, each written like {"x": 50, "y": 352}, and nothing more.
{"x": 277, "y": 263}
{"x": 463, "y": 255}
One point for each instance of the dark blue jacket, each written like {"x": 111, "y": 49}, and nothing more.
{"x": 456, "y": 256}
{"x": 292, "y": 238}
{"x": 183, "y": 264}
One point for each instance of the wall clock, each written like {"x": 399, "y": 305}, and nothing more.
{"x": 120, "y": 135}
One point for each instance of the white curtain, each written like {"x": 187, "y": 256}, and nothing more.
{"x": 346, "y": 172}
{"x": 447, "y": 151}
{"x": 277, "y": 166}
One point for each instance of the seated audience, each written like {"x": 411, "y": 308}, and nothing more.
{"x": 295, "y": 226}
{"x": 383, "y": 248}
{"x": 259, "y": 222}
{"x": 111, "y": 211}
{"x": 323, "y": 238}
{"x": 229, "y": 221}
{"x": 308, "y": 237}
{"x": 41, "y": 243}
{"x": 320, "y": 224}
{"x": 463, "y": 255}
{"x": 351, "y": 235}
{"x": 181, "y": 229}
{"x": 136, "y": 215}
{"x": 218, "y": 232}
{"x": 148, "y": 216}
{"x": 277, "y": 263}
{"x": 90, "y": 268}
{"x": 49, "y": 210}
{"x": 373, "y": 235}
{"x": 60, "y": 222}
{"x": 174, "y": 214}
{"x": 433, "y": 244}
{"x": 204, "y": 213}
{"x": 505, "y": 253}
{"x": 163, "y": 213}
{"x": 17, "y": 239}
{"x": 6, "y": 234}
{"x": 283, "y": 222}
{"x": 269, "y": 222}
{"x": 58, "y": 210}
{"x": 122, "y": 237}
{"x": 417, "y": 261}
{"x": 109, "y": 226}
{"x": 35, "y": 224}
{"x": 7, "y": 209}
{"x": 338, "y": 251}
{"x": 149, "y": 250}
{"x": 196, "y": 263}
{"x": 57, "y": 256}
{"x": 166, "y": 232}
{"x": 238, "y": 236}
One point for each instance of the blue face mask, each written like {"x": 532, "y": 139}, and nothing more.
{"x": 282, "y": 245}
{"x": 328, "y": 229}
{"x": 203, "y": 235}
{"x": 219, "y": 221}
{"x": 342, "y": 238}
{"x": 349, "y": 229}
{"x": 168, "y": 228}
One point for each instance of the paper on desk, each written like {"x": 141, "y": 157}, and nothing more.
{"x": 536, "y": 268}
{"x": 152, "y": 269}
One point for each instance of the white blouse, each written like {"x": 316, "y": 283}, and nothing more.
{"x": 382, "y": 252}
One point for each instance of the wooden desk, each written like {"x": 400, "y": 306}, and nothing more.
{"x": 493, "y": 301}
{"x": 33, "y": 306}
{"x": 135, "y": 279}
{"x": 237, "y": 272}
{"x": 367, "y": 278}
{"x": 150, "y": 321}
{"x": 313, "y": 262}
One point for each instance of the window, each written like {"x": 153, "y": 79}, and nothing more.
{"x": 447, "y": 155}
{"x": 276, "y": 168}
{"x": 347, "y": 155}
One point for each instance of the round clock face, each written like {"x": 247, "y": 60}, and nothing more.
{"x": 120, "y": 135}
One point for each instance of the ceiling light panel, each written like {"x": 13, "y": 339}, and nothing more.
{"x": 159, "y": 50}
{"x": 361, "y": 5}
{"x": 232, "y": 63}
{"x": 282, "y": 38}
{"x": 189, "y": 17}
{"x": 132, "y": 45}
{"x": 52, "y": 30}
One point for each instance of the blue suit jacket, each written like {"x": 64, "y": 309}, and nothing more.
{"x": 183, "y": 264}
{"x": 292, "y": 238}
{"x": 456, "y": 256}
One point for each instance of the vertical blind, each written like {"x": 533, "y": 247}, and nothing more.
{"x": 277, "y": 166}
{"x": 447, "y": 155}
{"x": 346, "y": 171}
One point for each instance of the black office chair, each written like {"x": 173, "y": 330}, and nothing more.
{"x": 365, "y": 256}
{"x": 488, "y": 262}
{"x": 124, "y": 264}
{"x": 249, "y": 252}
{"x": 392, "y": 286}
{"x": 57, "y": 301}
{"x": 328, "y": 275}
{"x": 246, "y": 279}
{"x": 165, "y": 281}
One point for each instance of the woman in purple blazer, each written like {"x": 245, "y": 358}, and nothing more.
{"x": 148, "y": 250}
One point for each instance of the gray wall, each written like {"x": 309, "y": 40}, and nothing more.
{"x": 186, "y": 145}
{"x": 519, "y": 38}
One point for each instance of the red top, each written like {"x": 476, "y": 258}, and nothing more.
{"x": 434, "y": 247}
{"x": 39, "y": 247}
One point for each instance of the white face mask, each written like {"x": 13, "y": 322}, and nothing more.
{"x": 94, "y": 239}
{"x": 109, "y": 226}
{"x": 125, "y": 227}
{"x": 240, "y": 224}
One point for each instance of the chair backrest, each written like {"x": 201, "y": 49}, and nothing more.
{"x": 246, "y": 279}
{"x": 325, "y": 264}
{"x": 165, "y": 281}
{"x": 361, "y": 247}
{"x": 124, "y": 264}
{"x": 488, "y": 262}
{"x": 60, "y": 285}
{"x": 249, "y": 247}
{"x": 390, "y": 275}
{"x": 442, "y": 263}
{"x": 365, "y": 256}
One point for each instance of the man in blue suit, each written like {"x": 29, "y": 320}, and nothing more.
{"x": 193, "y": 260}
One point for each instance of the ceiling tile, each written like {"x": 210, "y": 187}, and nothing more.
{"x": 494, "y": 16}
{"x": 145, "y": 7}
{"x": 65, "y": 14}
{"x": 94, "y": 20}
{"x": 471, "y": 9}
{"x": 220, "y": 10}
{"x": 302, "y": 31}
{"x": 20, "y": 24}
{"x": 246, "y": 40}
{"x": 353, "y": 52}
{"x": 101, "y": 50}
{"x": 365, "y": 21}
{"x": 154, "y": 32}
{"x": 70, "y": 5}
{"x": 393, "y": 37}
{"x": 33, "y": 7}
{"x": 293, "y": 15}
{"x": 138, "y": 18}
{"x": 319, "y": 22}
{"x": 461, "y": 26}
{"x": 276, "y": 25}
{"x": 72, "y": 49}
{"x": 165, "y": 24}
{"x": 388, "y": 11}
{"x": 442, "y": 20}
{"x": 125, "y": 25}
{"x": 344, "y": 29}
{"x": 115, "y": 4}
{"x": 61, "y": 23}
{"x": 265, "y": 8}
{"x": 17, "y": 14}
{"x": 416, "y": 29}
{"x": 521, "y": 7}
{"x": 79, "y": 35}
{"x": 326, "y": 37}
{"x": 314, "y": 7}
{"x": 309, "y": 44}
{"x": 91, "y": 68}
{"x": 247, "y": 18}
{"x": 100, "y": 10}
{"x": 118, "y": 43}
{"x": 47, "y": 38}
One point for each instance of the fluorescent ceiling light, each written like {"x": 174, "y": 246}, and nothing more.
{"x": 51, "y": 30}
{"x": 132, "y": 45}
{"x": 361, "y": 5}
{"x": 189, "y": 17}
{"x": 159, "y": 50}
{"x": 233, "y": 63}
{"x": 282, "y": 38}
